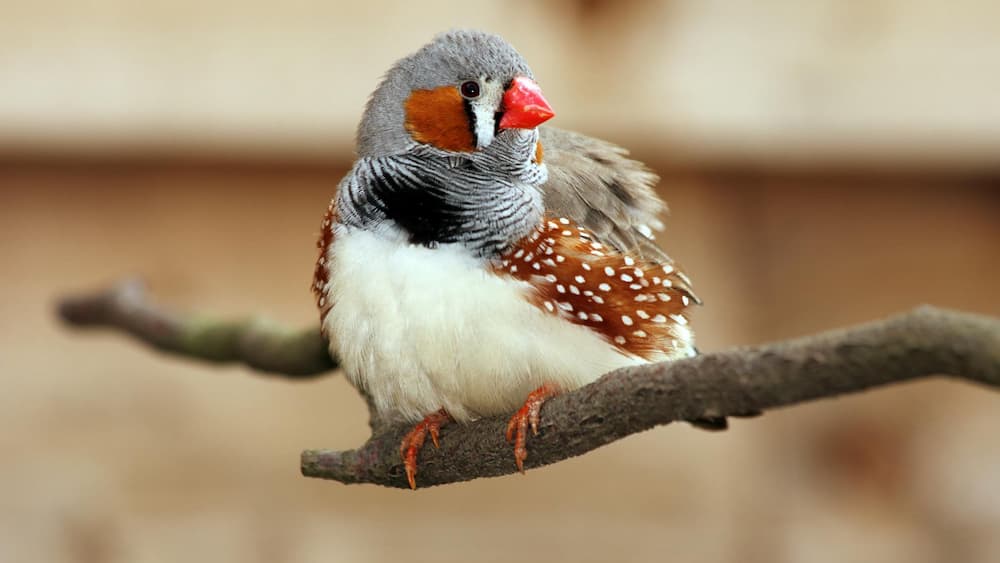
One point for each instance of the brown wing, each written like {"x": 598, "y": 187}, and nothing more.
{"x": 635, "y": 305}
{"x": 321, "y": 275}
{"x": 595, "y": 183}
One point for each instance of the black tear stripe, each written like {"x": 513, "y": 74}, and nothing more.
{"x": 470, "y": 116}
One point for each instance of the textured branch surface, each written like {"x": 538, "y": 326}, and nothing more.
{"x": 918, "y": 344}
{"x": 257, "y": 343}
{"x": 922, "y": 343}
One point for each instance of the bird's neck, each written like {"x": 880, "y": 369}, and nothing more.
{"x": 484, "y": 203}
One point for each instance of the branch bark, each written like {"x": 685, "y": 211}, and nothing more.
{"x": 923, "y": 343}
{"x": 255, "y": 342}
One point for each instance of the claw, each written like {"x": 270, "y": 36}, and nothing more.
{"x": 410, "y": 447}
{"x": 529, "y": 414}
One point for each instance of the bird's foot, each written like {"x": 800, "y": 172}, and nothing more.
{"x": 409, "y": 449}
{"x": 517, "y": 428}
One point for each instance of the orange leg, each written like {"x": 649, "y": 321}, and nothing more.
{"x": 517, "y": 428}
{"x": 414, "y": 440}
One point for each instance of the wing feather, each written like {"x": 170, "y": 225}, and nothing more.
{"x": 597, "y": 185}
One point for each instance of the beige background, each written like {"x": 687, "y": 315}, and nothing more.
{"x": 197, "y": 144}
{"x": 746, "y": 80}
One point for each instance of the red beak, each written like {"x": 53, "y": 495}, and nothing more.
{"x": 524, "y": 106}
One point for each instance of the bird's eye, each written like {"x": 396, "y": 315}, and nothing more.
{"x": 470, "y": 89}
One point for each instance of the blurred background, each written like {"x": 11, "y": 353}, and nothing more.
{"x": 826, "y": 163}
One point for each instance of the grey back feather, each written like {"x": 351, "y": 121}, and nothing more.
{"x": 596, "y": 184}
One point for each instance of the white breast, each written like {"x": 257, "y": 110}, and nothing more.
{"x": 423, "y": 329}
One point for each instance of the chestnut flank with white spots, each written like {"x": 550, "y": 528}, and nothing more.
{"x": 637, "y": 306}
{"x": 321, "y": 275}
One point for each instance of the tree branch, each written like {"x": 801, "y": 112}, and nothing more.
{"x": 257, "y": 343}
{"x": 922, "y": 343}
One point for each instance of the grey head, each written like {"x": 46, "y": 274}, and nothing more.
{"x": 448, "y": 148}
{"x": 450, "y": 60}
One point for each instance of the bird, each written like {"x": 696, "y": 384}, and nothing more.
{"x": 475, "y": 263}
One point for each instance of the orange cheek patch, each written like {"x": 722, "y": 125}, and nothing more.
{"x": 539, "y": 152}
{"x": 437, "y": 117}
